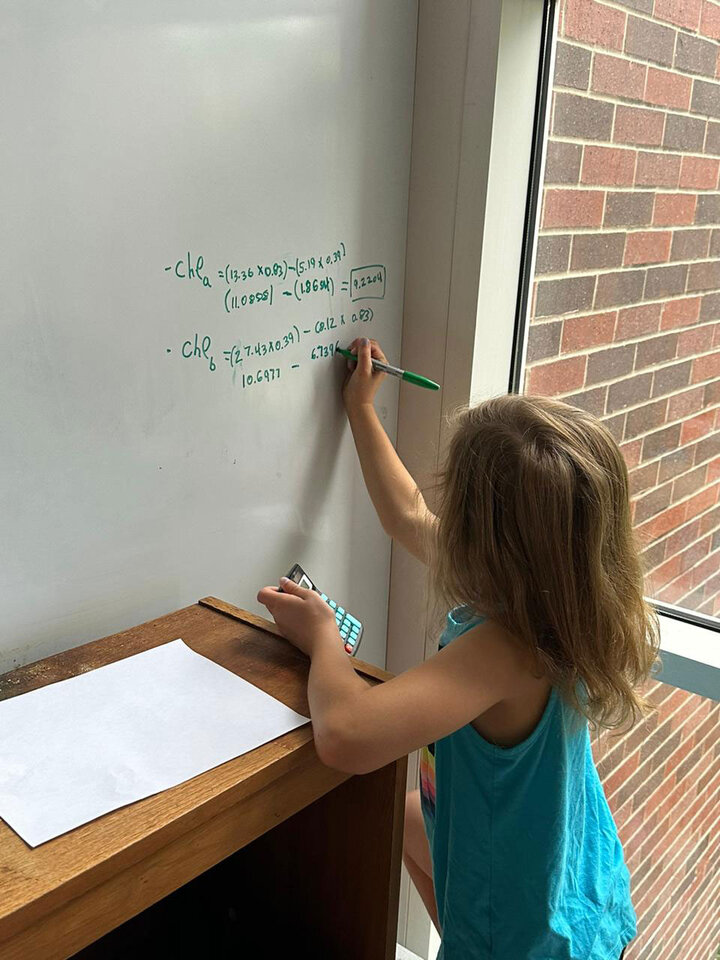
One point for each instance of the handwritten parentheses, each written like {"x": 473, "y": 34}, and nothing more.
{"x": 295, "y": 288}
{"x": 286, "y": 270}
{"x": 297, "y": 332}
{"x": 225, "y": 300}
{"x": 343, "y": 248}
{"x": 297, "y": 266}
{"x": 332, "y": 286}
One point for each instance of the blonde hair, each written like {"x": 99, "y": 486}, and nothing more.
{"x": 534, "y": 531}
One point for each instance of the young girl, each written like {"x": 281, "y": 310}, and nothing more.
{"x": 510, "y": 841}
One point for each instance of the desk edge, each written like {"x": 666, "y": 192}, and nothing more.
{"x": 245, "y": 616}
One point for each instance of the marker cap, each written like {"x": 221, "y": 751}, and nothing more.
{"x": 420, "y": 381}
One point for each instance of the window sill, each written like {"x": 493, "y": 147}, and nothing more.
{"x": 690, "y": 654}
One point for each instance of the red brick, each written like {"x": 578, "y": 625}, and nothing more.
{"x": 647, "y": 247}
{"x": 684, "y": 13}
{"x": 676, "y": 462}
{"x": 674, "y": 209}
{"x": 706, "y": 367}
{"x": 631, "y": 452}
{"x": 573, "y": 208}
{"x": 638, "y": 126}
{"x": 668, "y": 89}
{"x": 590, "y": 331}
{"x": 694, "y": 554}
{"x": 698, "y": 340}
{"x": 661, "y": 441}
{"x": 713, "y": 473}
{"x": 636, "y": 321}
{"x": 683, "y": 404}
{"x": 560, "y": 376}
{"x": 608, "y": 165}
{"x": 661, "y": 524}
{"x": 643, "y": 479}
{"x": 663, "y": 574}
{"x": 710, "y": 20}
{"x": 703, "y": 570}
{"x": 701, "y": 501}
{"x": 682, "y": 538}
{"x": 697, "y": 427}
{"x": 594, "y": 23}
{"x": 657, "y": 169}
{"x": 690, "y": 483}
{"x": 699, "y": 173}
{"x": 680, "y": 313}
{"x": 676, "y": 590}
{"x": 618, "y": 77}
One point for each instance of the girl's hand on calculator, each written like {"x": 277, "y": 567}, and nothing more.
{"x": 302, "y": 615}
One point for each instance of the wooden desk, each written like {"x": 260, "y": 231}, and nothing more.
{"x": 310, "y": 856}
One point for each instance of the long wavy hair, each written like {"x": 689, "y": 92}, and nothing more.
{"x": 534, "y": 531}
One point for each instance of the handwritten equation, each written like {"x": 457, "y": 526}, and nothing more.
{"x": 262, "y": 283}
{"x": 200, "y": 346}
{"x": 263, "y": 286}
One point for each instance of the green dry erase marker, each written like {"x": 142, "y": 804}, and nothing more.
{"x": 395, "y": 372}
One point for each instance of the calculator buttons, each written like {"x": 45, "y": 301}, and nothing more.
{"x": 348, "y": 627}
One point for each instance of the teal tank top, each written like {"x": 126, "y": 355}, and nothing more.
{"x": 527, "y": 862}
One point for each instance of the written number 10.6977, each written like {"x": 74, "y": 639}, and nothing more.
{"x": 260, "y": 376}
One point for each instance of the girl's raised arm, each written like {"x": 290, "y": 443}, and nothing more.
{"x": 395, "y": 495}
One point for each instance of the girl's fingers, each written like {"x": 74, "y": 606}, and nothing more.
{"x": 365, "y": 359}
{"x": 376, "y": 351}
{"x": 266, "y": 595}
{"x": 289, "y": 586}
{"x": 373, "y": 350}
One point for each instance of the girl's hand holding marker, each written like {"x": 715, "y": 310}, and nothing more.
{"x": 379, "y": 364}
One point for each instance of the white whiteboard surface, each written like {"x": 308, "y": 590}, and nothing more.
{"x": 135, "y": 138}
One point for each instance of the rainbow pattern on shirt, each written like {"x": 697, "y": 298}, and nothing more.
{"x": 427, "y": 778}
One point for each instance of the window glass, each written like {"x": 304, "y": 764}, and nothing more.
{"x": 625, "y": 306}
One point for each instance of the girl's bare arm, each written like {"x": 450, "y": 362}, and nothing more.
{"x": 395, "y": 495}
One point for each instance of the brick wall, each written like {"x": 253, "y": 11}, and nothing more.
{"x": 626, "y": 302}
{"x": 662, "y": 781}
{"x": 625, "y": 322}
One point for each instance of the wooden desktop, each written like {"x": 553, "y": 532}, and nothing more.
{"x": 272, "y": 852}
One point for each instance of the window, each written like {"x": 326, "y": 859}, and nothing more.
{"x": 620, "y": 299}
{"x": 624, "y": 315}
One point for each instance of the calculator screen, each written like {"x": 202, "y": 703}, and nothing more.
{"x": 304, "y": 582}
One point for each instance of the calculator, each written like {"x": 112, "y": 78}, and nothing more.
{"x": 351, "y": 630}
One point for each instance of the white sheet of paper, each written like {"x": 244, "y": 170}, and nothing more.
{"x": 76, "y": 749}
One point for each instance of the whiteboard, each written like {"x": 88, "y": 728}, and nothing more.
{"x": 199, "y": 202}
